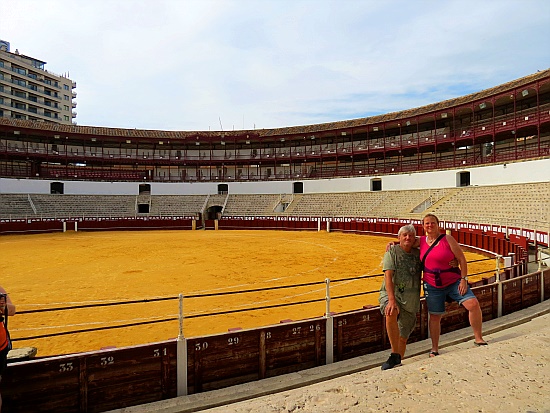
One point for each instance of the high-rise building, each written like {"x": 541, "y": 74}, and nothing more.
{"x": 29, "y": 91}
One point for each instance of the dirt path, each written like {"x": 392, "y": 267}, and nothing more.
{"x": 65, "y": 269}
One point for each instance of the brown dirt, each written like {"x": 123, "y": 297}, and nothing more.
{"x": 66, "y": 269}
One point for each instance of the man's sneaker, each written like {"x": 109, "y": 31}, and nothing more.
{"x": 393, "y": 361}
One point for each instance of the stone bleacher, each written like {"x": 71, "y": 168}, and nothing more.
{"x": 251, "y": 204}
{"x": 177, "y": 205}
{"x": 15, "y": 206}
{"x": 519, "y": 205}
{"x": 84, "y": 205}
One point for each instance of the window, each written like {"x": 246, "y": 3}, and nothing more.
{"x": 18, "y": 105}
{"x": 1, "y": 100}
{"x": 47, "y": 92}
{"x": 66, "y": 97}
{"x": 19, "y": 94}
{"x": 47, "y": 114}
{"x": 65, "y": 118}
{"x": 19, "y": 82}
{"x": 33, "y": 87}
{"x": 33, "y": 109}
{"x": 33, "y": 98}
{"x": 47, "y": 81}
{"x": 66, "y": 87}
{"x": 19, "y": 70}
{"x": 65, "y": 107}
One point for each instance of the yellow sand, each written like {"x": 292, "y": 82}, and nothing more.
{"x": 66, "y": 269}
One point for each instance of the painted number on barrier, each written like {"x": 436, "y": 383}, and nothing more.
{"x": 201, "y": 346}
{"x": 314, "y": 327}
{"x": 156, "y": 352}
{"x": 64, "y": 367}
{"x": 231, "y": 341}
{"x": 366, "y": 318}
{"x": 104, "y": 361}
{"x": 296, "y": 330}
{"x": 342, "y": 322}
{"x": 268, "y": 334}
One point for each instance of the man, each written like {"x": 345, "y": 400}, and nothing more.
{"x": 400, "y": 293}
{"x": 7, "y": 308}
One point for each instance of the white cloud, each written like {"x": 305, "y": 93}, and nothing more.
{"x": 169, "y": 64}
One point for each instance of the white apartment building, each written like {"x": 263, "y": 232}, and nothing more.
{"x": 29, "y": 91}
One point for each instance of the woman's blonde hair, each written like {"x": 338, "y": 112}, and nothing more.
{"x": 431, "y": 215}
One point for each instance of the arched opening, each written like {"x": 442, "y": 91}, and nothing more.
{"x": 223, "y": 189}
{"x": 463, "y": 178}
{"x": 144, "y": 189}
{"x": 57, "y": 188}
{"x": 214, "y": 212}
{"x": 376, "y": 184}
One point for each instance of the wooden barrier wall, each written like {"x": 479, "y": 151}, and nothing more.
{"x": 37, "y": 225}
{"x": 116, "y": 378}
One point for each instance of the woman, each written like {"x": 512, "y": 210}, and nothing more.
{"x": 442, "y": 282}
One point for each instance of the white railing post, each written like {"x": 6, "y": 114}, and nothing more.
{"x": 539, "y": 252}
{"x": 181, "y": 355}
{"x": 329, "y": 327}
{"x": 499, "y": 287}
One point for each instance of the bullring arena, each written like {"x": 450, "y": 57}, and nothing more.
{"x": 178, "y": 262}
{"x": 147, "y": 265}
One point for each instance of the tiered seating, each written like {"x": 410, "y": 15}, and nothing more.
{"x": 15, "y": 206}
{"x": 177, "y": 205}
{"x": 251, "y": 204}
{"x": 523, "y": 205}
{"x": 402, "y": 203}
{"x": 52, "y": 206}
{"x": 337, "y": 204}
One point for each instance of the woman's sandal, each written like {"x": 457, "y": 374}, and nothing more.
{"x": 483, "y": 343}
{"x": 433, "y": 353}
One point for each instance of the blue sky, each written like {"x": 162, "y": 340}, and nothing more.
{"x": 252, "y": 64}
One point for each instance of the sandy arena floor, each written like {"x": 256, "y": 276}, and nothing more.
{"x": 67, "y": 269}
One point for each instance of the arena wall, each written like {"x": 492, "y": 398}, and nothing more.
{"x": 511, "y": 173}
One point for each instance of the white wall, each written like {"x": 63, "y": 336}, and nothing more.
{"x": 511, "y": 173}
